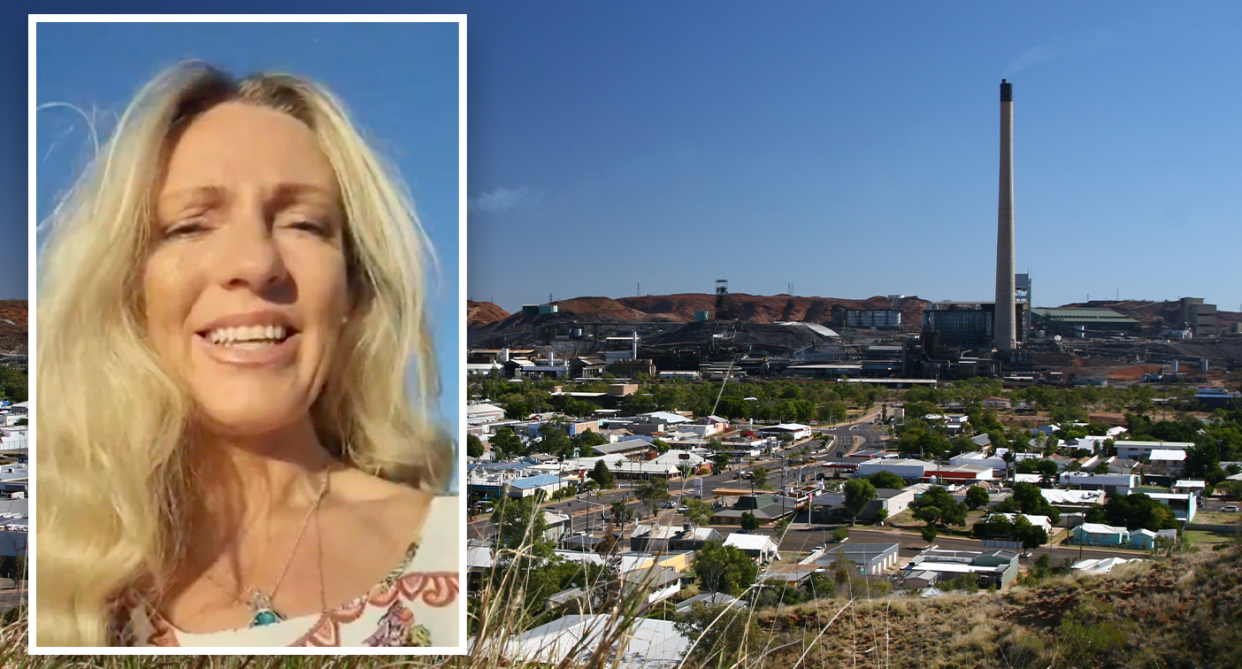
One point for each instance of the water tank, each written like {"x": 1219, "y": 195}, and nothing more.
{"x": 701, "y": 315}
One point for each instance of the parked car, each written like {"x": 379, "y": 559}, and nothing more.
{"x": 1233, "y": 508}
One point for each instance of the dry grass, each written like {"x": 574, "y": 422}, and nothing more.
{"x": 1181, "y": 612}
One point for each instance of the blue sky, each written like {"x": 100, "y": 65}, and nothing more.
{"x": 412, "y": 119}
{"x": 852, "y": 149}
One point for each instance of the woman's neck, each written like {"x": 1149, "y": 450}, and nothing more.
{"x": 249, "y": 481}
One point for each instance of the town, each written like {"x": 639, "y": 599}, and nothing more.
{"x": 689, "y": 493}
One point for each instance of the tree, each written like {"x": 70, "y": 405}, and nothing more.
{"x": 759, "y": 476}
{"x": 929, "y": 533}
{"x": 857, "y": 493}
{"x": 887, "y": 480}
{"x": 1137, "y": 510}
{"x": 474, "y": 446}
{"x": 653, "y": 492}
{"x": 929, "y": 515}
{"x": 977, "y": 497}
{"x": 521, "y": 525}
{"x": 724, "y": 569}
{"x": 698, "y": 512}
{"x": 721, "y": 460}
{"x": 508, "y": 443}
{"x": 1027, "y": 498}
{"x": 602, "y": 475}
{"x": 881, "y": 516}
{"x": 749, "y": 522}
{"x": 951, "y": 511}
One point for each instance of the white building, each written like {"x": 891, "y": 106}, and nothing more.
{"x": 1133, "y": 450}
{"x": 1113, "y": 483}
{"x": 908, "y": 469}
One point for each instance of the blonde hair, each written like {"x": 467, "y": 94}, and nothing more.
{"x": 113, "y": 424}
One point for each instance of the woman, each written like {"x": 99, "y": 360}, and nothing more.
{"x": 229, "y": 451}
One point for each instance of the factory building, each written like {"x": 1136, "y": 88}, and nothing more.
{"x": 1080, "y": 321}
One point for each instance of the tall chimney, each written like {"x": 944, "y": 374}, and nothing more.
{"x": 1004, "y": 328}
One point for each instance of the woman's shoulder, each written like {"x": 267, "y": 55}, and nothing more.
{"x": 403, "y": 515}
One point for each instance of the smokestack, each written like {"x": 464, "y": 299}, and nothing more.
{"x": 1005, "y": 330}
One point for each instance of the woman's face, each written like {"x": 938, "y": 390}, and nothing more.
{"x": 245, "y": 284}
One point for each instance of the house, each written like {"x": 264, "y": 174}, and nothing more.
{"x": 657, "y": 581}
{"x": 787, "y": 574}
{"x": 886, "y": 499}
{"x": 794, "y": 430}
{"x": 479, "y": 559}
{"x": 756, "y": 546}
{"x": 1168, "y": 462}
{"x": 1072, "y": 499}
{"x": 648, "y": 643}
{"x": 997, "y": 403}
{"x": 654, "y": 539}
{"x": 1134, "y": 450}
{"x": 693, "y": 538}
{"x": 558, "y": 525}
{"x": 869, "y": 558}
{"x": 710, "y": 600}
{"x": 983, "y": 441}
{"x": 1038, "y": 521}
{"x": 1143, "y": 538}
{"x": 1189, "y": 485}
{"x": 1100, "y": 566}
{"x": 1182, "y": 504}
{"x": 1097, "y": 534}
{"x": 766, "y": 508}
{"x": 630, "y": 448}
{"x": 482, "y": 414}
{"x": 527, "y": 487}
{"x": 917, "y": 580}
{"x": 997, "y": 567}
{"x": 1120, "y": 484}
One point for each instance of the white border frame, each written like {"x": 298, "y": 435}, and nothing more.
{"x": 32, "y": 545}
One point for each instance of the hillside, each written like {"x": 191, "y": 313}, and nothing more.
{"x": 14, "y": 330}
{"x": 680, "y": 308}
{"x": 1182, "y": 612}
{"x": 482, "y": 313}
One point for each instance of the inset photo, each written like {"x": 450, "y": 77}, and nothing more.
{"x": 246, "y": 328}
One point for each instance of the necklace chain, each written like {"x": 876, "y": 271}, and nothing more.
{"x": 261, "y": 603}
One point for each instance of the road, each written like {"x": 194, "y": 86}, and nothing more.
{"x": 587, "y": 514}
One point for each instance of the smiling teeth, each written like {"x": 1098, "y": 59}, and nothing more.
{"x": 247, "y": 333}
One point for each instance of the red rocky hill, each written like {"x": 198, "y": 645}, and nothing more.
{"x": 14, "y": 331}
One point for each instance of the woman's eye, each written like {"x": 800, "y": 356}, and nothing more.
{"x": 314, "y": 227}
{"x": 184, "y": 229}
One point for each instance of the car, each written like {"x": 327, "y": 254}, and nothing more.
{"x": 670, "y": 505}
{"x": 1232, "y": 508}
{"x": 683, "y": 509}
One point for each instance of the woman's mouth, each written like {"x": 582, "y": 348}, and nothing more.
{"x": 250, "y": 345}
{"x": 248, "y": 337}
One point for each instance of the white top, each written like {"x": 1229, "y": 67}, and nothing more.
{"x": 417, "y": 604}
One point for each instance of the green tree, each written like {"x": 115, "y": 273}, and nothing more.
{"x": 508, "y": 443}
{"x": 474, "y": 446}
{"x": 887, "y": 480}
{"x": 521, "y": 525}
{"x": 857, "y": 493}
{"x": 759, "y": 476}
{"x": 928, "y": 533}
{"x": 653, "y": 492}
{"x": 977, "y": 497}
{"x": 698, "y": 512}
{"x": 881, "y": 516}
{"x": 724, "y": 569}
{"x": 749, "y": 522}
{"x": 952, "y": 512}
{"x": 725, "y": 636}
{"x": 1137, "y": 510}
{"x": 721, "y": 460}
{"x": 602, "y": 475}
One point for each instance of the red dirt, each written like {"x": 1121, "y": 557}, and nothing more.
{"x": 14, "y": 338}
{"x": 754, "y": 308}
{"x": 482, "y": 313}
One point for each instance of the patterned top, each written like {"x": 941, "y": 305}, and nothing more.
{"x": 416, "y": 604}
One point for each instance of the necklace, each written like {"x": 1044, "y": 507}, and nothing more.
{"x": 263, "y": 611}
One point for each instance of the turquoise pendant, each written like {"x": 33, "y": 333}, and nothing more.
{"x": 265, "y": 617}
{"x": 264, "y": 614}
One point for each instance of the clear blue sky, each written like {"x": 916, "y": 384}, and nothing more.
{"x": 852, "y": 149}
{"x": 412, "y": 118}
